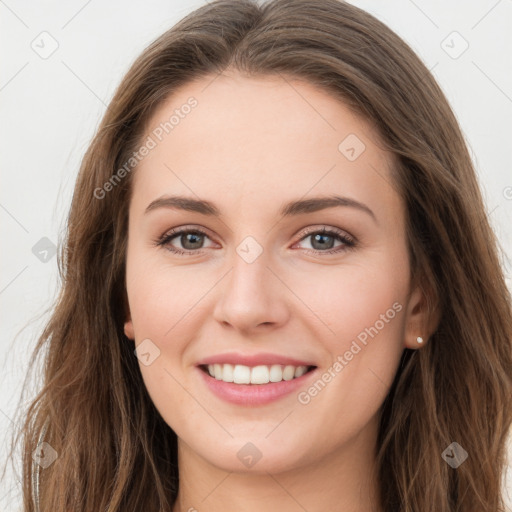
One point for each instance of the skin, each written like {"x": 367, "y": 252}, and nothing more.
{"x": 251, "y": 145}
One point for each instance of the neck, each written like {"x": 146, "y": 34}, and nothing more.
{"x": 344, "y": 480}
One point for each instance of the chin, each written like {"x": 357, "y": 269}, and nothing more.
{"x": 253, "y": 455}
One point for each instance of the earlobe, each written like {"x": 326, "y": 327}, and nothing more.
{"x": 128, "y": 330}
{"x": 128, "y": 324}
{"x": 421, "y": 320}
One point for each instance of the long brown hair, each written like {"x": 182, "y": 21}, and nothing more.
{"x": 115, "y": 452}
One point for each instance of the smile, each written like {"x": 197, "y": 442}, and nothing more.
{"x": 261, "y": 374}
{"x": 252, "y": 386}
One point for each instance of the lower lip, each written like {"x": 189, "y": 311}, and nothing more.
{"x": 253, "y": 394}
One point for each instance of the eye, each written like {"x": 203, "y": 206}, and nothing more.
{"x": 190, "y": 239}
{"x": 322, "y": 241}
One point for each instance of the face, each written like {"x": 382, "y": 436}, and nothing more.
{"x": 267, "y": 280}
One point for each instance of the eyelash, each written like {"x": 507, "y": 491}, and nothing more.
{"x": 164, "y": 240}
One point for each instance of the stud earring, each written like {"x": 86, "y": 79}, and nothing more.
{"x": 419, "y": 339}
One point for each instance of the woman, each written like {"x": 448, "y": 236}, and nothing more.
{"x": 280, "y": 286}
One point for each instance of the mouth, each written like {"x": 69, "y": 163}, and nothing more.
{"x": 257, "y": 385}
{"x": 255, "y": 375}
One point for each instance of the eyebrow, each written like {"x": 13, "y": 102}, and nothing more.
{"x": 289, "y": 209}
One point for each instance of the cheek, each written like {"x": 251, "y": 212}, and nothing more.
{"x": 359, "y": 312}
{"x": 162, "y": 309}
{"x": 364, "y": 310}
{"x": 162, "y": 297}
{"x": 350, "y": 299}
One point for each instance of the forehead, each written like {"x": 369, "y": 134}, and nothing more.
{"x": 227, "y": 135}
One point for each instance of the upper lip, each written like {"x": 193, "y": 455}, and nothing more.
{"x": 262, "y": 358}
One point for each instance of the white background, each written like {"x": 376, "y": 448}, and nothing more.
{"x": 51, "y": 107}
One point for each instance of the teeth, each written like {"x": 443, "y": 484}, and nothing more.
{"x": 240, "y": 374}
{"x": 276, "y": 373}
{"x": 288, "y": 372}
{"x": 259, "y": 375}
{"x": 227, "y": 373}
{"x": 300, "y": 370}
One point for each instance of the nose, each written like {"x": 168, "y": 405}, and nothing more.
{"x": 251, "y": 297}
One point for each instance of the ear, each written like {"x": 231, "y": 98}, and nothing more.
{"x": 422, "y": 317}
{"x": 128, "y": 324}
{"x": 128, "y": 329}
